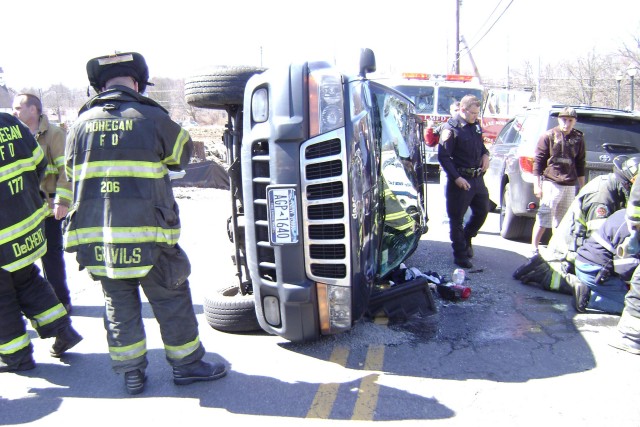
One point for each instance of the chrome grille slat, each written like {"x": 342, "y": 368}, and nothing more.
{"x": 325, "y": 201}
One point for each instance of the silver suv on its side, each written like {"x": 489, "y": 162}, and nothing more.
{"x": 608, "y": 133}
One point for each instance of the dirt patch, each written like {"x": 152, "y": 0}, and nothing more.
{"x": 208, "y": 141}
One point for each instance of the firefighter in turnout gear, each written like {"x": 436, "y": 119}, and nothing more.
{"x": 22, "y": 289}
{"x": 627, "y": 335}
{"x": 56, "y": 188}
{"x": 124, "y": 222}
{"x": 553, "y": 267}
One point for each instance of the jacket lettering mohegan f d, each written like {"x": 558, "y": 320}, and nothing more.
{"x": 122, "y": 152}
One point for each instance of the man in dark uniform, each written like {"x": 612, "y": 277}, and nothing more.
{"x": 465, "y": 159}
{"x": 124, "y": 223}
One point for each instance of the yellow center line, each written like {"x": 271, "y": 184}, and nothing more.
{"x": 327, "y": 393}
{"x": 368, "y": 391}
{"x": 367, "y": 401}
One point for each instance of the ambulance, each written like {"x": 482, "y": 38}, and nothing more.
{"x": 433, "y": 95}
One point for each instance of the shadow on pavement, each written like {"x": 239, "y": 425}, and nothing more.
{"x": 231, "y": 393}
{"x": 505, "y": 332}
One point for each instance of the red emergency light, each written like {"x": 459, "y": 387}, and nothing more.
{"x": 419, "y": 76}
{"x": 458, "y": 78}
{"x": 440, "y": 77}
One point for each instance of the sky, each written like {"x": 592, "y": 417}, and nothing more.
{"x": 49, "y": 42}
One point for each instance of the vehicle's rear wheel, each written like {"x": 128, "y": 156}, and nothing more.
{"x": 512, "y": 227}
{"x": 228, "y": 310}
{"x": 219, "y": 88}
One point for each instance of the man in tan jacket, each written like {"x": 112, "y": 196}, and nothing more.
{"x": 28, "y": 108}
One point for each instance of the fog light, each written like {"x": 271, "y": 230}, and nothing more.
{"x": 271, "y": 310}
{"x": 334, "y": 307}
{"x": 260, "y": 105}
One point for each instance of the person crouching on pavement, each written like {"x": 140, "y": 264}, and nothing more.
{"x": 602, "y": 274}
{"x": 124, "y": 223}
{"x": 22, "y": 289}
{"x": 465, "y": 159}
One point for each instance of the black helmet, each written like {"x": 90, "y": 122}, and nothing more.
{"x": 627, "y": 167}
{"x": 103, "y": 68}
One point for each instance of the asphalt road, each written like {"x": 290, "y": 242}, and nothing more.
{"x": 509, "y": 355}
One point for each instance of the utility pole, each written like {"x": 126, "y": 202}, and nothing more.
{"x": 458, "y": 36}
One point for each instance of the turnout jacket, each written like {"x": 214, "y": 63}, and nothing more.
{"x": 595, "y": 202}
{"x": 52, "y": 141}
{"x": 118, "y": 155}
{"x": 22, "y": 207}
{"x": 600, "y": 249}
{"x": 633, "y": 206}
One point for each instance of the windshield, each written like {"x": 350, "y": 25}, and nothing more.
{"x": 422, "y": 96}
{"x": 449, "y": 95}
{"x": 401, "y": 171}
{"x": 436, "y": 99}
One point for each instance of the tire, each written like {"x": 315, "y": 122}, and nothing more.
{"x": 512, "y": 227}
{"x": 220, "y": 88}
{"x": 228, "y": 310}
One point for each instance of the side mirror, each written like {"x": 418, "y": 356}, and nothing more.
{"x": 367, "y": 62}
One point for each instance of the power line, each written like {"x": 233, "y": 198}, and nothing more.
{"x": 487, "y": 20}
{"x": 489, "y": 29}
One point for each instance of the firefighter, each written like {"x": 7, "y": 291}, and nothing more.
{"x": 124, "y": 222}
{"x": 56, "y": 187}
{"x": 627, "y": 335}
{"x": 596, "y": 201}
{"x": 22, "y": 288}
{"x": 603, "y": 275}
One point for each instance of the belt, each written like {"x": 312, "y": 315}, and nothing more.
{"x": 470, "y": 172}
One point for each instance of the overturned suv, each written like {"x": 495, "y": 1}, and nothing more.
{"x": 328, "y": 193}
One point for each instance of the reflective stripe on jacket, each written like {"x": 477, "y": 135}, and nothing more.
{"x": 118, "y": 155}
{"x": 22, "y": 165}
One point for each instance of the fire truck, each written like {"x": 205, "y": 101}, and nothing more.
{"x": 433, "y": 95}
{"x": 500, "y": 105}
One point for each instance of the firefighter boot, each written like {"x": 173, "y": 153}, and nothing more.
{"x": 581, "y": 295}
{"x": 198, "y": 371}
{"x": 66, "y": 338}
{"x": 24, "y": 365}
{"x": 134, "y": 381}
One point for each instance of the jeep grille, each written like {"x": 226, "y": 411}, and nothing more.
{"x": 324, "y": 201}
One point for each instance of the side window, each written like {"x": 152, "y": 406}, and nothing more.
{"x": 505, "y": 135}
{"x": 530, "y": 130}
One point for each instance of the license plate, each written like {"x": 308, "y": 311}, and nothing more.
{"x": 283, "y": 216}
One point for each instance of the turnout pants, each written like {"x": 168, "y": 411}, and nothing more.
{"x": 458, "y": 201}
{"x": 25, "y": 291}
{"x": 53, "y": 265}
{"x": 629, "y": 324}
{"x": 167, "y": 289}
